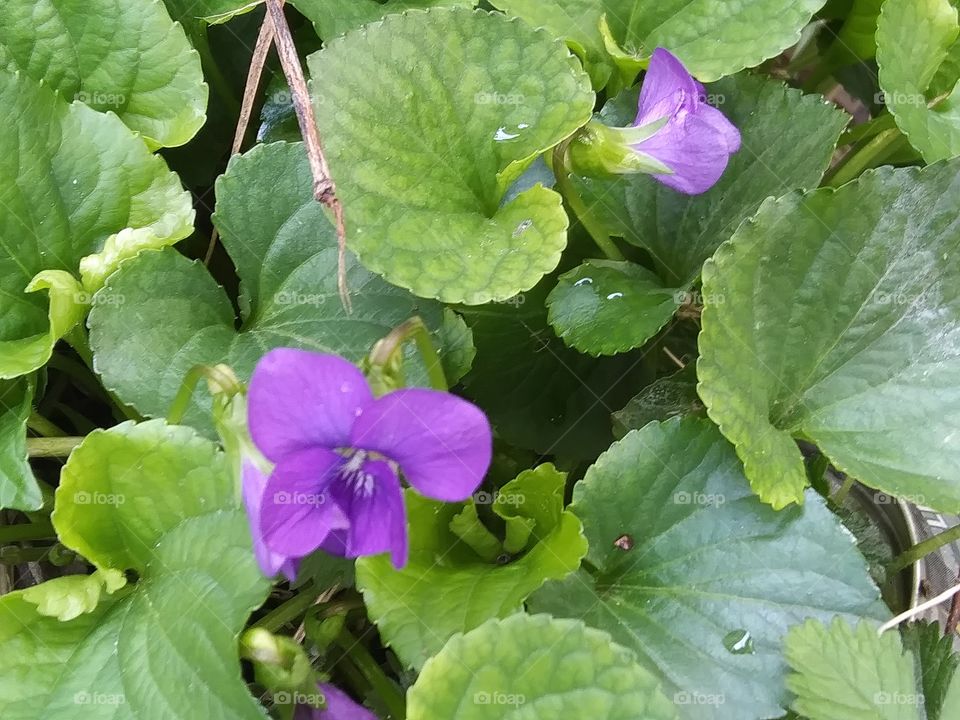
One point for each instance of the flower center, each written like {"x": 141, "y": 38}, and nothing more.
{"x": 352, "y": 472}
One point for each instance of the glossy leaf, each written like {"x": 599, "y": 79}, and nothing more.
{"x": 415, "y": 619}
{"x": 174, "y": 315}
{"x": 471, "y": 99}
{"x": 335, "y": 17}
{"x": 157, "y": 500}
{"x": 860, "y": 379}
{"x": 537, "y": 668}
{"x": 18, "y": 487}
{"x": 80, "y": 193}
{"x": 700, "y": 578}
{"x": 132, "y": 60}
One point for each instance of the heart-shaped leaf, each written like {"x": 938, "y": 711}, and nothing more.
{"x": 335, "y": 17}
{"x": 80, "y": 193}
{"x": 537, "y": 668}
{"x": 698, "y": 576}
{"x": 858, "y": 380}
{"x": 428, "y": 117}
{"x": 132, "y": 61}
{"x": 415, "y": 619}
{"x": 914, "y": 37}
{"x": 173, "y": 315}
{"x": 157, "y": 500}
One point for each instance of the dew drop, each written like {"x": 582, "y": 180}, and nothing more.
{"x": 739, "y": 642}
{"x": 522, "y": 228}
{"x": 614, "y": 296}
{"x": 583, "y": 281}
{"x": 502, "y": 135}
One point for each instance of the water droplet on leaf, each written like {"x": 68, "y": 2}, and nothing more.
{"x": 739, "y": 642}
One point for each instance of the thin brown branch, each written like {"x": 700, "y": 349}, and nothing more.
{"x": 323, "y": 186}
{"x": 953, "y": 619}
{"x": 254, "y": 75}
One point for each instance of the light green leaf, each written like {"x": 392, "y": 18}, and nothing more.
{"x": 173, "y": 315}
{"x": 73, "y": 595}
{"x": 858, "y": 36}
{"x": 699, "y": 577}
{"x": 428, "y": 117}
{"x": 860, "y": 379}
{"x": 713, "y": 38}
{"x": 335, "y": 17}
{"x": 122, "y": 56}
{"x": 936, "y": 665}
{"x": 536, "y": 668}
{"x": 80, "y": 192}
{"x": 415, "y": 619}
{"x": 156, "y": 500}
{"x": 18, "y": 487}
{"x": 605, "y": 308}
{"x": 914, "y": 38}
{"x": 845, "y": 673}
{"x": 787, "y": 142}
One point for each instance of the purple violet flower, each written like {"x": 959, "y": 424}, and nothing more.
{"x": 340, "y": 706}
{"x": 696, "y": 141}
{"x": 336, "y": 452}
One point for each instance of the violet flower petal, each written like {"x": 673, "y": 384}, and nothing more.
{"x": 296, "y": 512}
{"x": 667, "y": 89}
{"x": 254, "y": 483}
{"x": 340, "y": 706}
{"x": 442, "y": 443}
{"x": 301, "y": 399}
{"x": 371, "y": 497}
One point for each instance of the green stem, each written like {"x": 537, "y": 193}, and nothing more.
{"x": 387, "y": 691}
{"x": 921, "y": 550}
{"x": 288, "y": 611}
{"x": 866, "y": 157}
{"x": 561, "y": 170}
{"x": 840, "y": 495}
{"x": 413, "y": 329}
{"x": 52, "y": 446}
{"x": 217, "y": 374}
{"x": 13, "y": 555}
{"x": 40, "y": 425}
{"x": 867, "y": 130}
{"x": 42, "y": 530}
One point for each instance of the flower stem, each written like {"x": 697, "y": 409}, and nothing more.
{"x": 840, "y": 495}
{"x": 42, "y": 426}
{"x": 52, "y": 446}
{"x": 42, "y": 530}
{"x": 866, "y": 157}
{"x": 561, "y": 170}
{"x": 289, "y": 610}
{"x": 373, "y": 674}
{"x": 218, "y": 374}
{"x": 922, "y": 549}
{"x": 413, "y": 329}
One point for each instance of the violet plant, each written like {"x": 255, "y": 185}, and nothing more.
{"x": 479, "y": 359}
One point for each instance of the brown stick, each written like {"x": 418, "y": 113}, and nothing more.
{"x": 324, "y": 188}
{"x": 254, "y": 75}
{"x": 953, "y": 619}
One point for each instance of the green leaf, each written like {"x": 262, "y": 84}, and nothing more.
{"x": 538, "y": 393}
{"x": 537, "y": 668}
{"x": 936, "y": 664}
{"x": 604, "y": 307}
{"x": 18, "y": 487}
{"x": 416, "y": 620}
{"x": 335, "y": 17}
{"x": 857, "y": 380}
{"x": 174, "y": 316}
{"x": 788, "y": 140}
{"x": 858, "y": 36}
{"x": 80, "y": 193}
{"x": 68, "y": 597}
{"x": 427, "y": 118}
{"x": 699, "y": 577}
{"x": 664, "y": 398}
{"x": 713, "y": 38}
{"x": 153, "y": 499}
{"x": 914, "y": 38}
{"x": 845, "y": 673}
{"x": 133, "y": 60}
